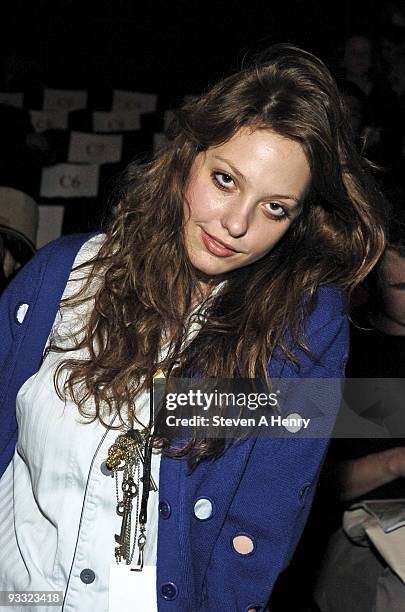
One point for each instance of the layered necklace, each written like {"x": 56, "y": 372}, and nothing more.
{"x": 131, "y": 454}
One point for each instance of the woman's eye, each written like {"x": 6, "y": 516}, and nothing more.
{"x": 277, "y": 210}
{"x": 223, "y": 180}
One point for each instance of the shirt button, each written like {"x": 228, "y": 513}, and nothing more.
{"x": 104, "y": 469}
{"x": 164, "y": 509}
{"x": 169, "y": 590}
{"x": 203, "y": 509}
{"x": 87, "y": 576}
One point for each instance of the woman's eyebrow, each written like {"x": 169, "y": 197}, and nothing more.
{"x": 232, "y": 167}
{"x": 279, "y": 196}
{"x": 243, "y": 178}
{"x": 396, "y": 284}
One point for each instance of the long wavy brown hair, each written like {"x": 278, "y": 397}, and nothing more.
{"x": 148, "y": 285}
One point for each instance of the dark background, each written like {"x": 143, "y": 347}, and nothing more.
{"x": 174, "y": 47}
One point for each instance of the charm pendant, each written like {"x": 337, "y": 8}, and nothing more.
{"x": 124, "y": 509}
{"x": 141, "y": 546}
{"x": 126, "y": 455}
{"x": 127, "y": 451}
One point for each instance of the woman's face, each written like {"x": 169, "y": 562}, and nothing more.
{"x": 392, "y": 287}
{"x": 241, "y": 198}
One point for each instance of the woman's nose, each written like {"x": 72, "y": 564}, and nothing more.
{"x": 236, "y": 218}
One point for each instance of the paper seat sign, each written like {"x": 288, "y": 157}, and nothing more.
{"x": 11, "y": 98}
{"x": 64, "y": 99}
{"x": 49, "y": 120}
{"x": 70, "y": 181}
{"x": 116, "y": 121}
{"x": 50, "y": 224}
{"x": 94, "y": 148}
{"x": 134, "y": 100}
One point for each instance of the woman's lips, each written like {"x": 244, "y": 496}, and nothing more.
{"x": 216, "y": 248}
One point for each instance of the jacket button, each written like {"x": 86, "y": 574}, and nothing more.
{"x": 87, "y": 576}
{"x": 203, "y": 509}
{"x": 169, "y": 590}
{"x": 303, "y": 492}
{"x": 20, "y": 312}
{"x": 164, "y": 509}
{"x": 243, "y": 544}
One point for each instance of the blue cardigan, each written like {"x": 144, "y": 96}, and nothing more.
{"x": 261, "y": 488}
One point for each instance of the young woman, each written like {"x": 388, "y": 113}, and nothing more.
{"x": 257, "y": 217}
